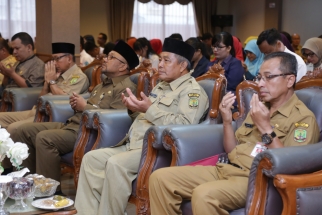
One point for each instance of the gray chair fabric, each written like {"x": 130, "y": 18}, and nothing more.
{"x": 23, "y": 98}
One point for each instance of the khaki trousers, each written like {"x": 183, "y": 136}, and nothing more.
{"x": 12, "y": 120}
{"x": 212, "y": 189}
{"x": 46, "y": 142}
{"x": 105, "y": 180}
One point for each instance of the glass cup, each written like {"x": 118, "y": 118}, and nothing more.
{"x": 4, "y": 192}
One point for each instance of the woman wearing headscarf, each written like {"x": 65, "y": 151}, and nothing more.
{"x": 312, "y": 50}
{"x": 254, "y": 59}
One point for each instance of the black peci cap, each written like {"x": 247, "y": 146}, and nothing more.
{"x": 63, "y": 48}
{"x": 128, "y": 53}
{"x": 178, "y": 47}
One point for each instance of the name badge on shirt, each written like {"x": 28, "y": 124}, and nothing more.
{"x": 258, "y": 149}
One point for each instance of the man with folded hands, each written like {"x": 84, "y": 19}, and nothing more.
{"x": 283, "y": 120}
{"x": 62, "y": 77}
{"x": 106, "y": 175}
{"x": 48, "y": 141}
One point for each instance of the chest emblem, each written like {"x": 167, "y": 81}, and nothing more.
{"x": 300, "y": 135}
{"x": 193, "y": 100}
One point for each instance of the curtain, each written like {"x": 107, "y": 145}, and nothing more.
{"x": 119, "y": 20}
{"x": 166, "y": 2}
{"x": 204, "y": 9}
{"x": 17, "y": 16}
{"x": 152, "y": 20}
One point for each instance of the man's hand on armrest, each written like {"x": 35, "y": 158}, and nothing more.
{"x": 77, "y": 102}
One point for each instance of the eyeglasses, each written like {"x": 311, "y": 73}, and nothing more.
{"x": 111, "y": 57}
{"x": 258, "y": 78}
{"x": 308, "y": 54}
{"x": 58, "y": 58}
{"x": 217, "y": 47}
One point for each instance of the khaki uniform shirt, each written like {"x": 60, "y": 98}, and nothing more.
{"x": 182, "y": 102}
{"x": 293, "y": 123}
{"x": 73, "y": 80}
{"x": 107, "y": 95}
{"x": 7, "y": 62}
{"x": 32, "y": 70}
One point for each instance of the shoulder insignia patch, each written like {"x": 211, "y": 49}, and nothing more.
{"x": 301, "y": 124}
{"x": 74, "y": 80}
{"x": 300, "y": 135}
{"x": 193, "y": 100}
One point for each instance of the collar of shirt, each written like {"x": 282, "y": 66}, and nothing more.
{"x": 287, "y": 107}
{"x": 176, "y": 83}
{"x": 68, "y": 72}
{"x": 114, "y": 80}
{"x": 26, "y": 60}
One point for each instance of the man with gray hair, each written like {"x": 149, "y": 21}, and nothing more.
{"x": 106, "y": 175}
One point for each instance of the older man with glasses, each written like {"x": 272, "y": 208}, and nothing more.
{"x": 48, "y": 141}
{"x": 282, "y": 121}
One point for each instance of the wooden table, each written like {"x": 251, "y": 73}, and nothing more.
{"x": 32, "y": 210}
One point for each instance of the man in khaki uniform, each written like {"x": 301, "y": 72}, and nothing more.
{"x": 285, "y": 121}
{"x": 106, "y": 175}
{"x": 62, "y": 77}
{"x": 29, "y": 70}
{"x": 6, "y": 58}
{"x": 48, "y": 141}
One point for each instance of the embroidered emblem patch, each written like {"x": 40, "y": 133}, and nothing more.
{"x": 193, "y": 100}
{"x": 73, "y": 81}
{"x": 300, "y": 135}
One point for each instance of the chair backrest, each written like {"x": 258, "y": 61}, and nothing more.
{"x": 214, "y": 85}
{"x": 308, "y": 83}
{"x": 312, "y": 98}
{"x": 88, "y": 72}
{"x": 95, "y": 62}
{"x": 244, "y": 93}
{"x": 96, "y": 78}
{"x": 142, "y": 80}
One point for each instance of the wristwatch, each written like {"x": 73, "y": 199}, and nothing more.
{"x": 52, "y": 82}
{"x": 268, "y": 138}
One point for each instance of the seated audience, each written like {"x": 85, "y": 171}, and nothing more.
{"x": 296, "y": 39}
{"x": 254, "y": 59}
{"x": 143, "y": 49}
{"x": 286, "y": 42}
{"x": 224, "y": 51}
{"x": 156, "y": 45}
{"x": 199, "y": 61}
{"x": 271, "y": 41}
{"x": 206, "y": 38}
{"x": 92, "y": 49}
{"x": 29, "y": 70}
{"x": 85, "y": 58}
{"x": 312, "y": 51}
{"x": 101, "y": 41}
{"x": 48, "y": 141}
{"x": 222, "y": 188}
{"x": 89, "y": 38}
{"x": 106, "y": 175}
{"x": 6, "y": 58}
{"x": 62, "y": 77}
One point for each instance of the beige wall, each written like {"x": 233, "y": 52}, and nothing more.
{"x": 302, "y": 17}
{"x": 93, "y": 16}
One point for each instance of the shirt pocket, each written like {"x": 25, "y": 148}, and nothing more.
{"x": 245, "y": 131}
{"x": 166, "y": 101}
{"x": 280, "y": 133}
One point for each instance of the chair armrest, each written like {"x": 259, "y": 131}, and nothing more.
{"x": 112, "y": 127}
{"x": 59, "y": 110}
{"x": 293, "y": 160}
{"x": 188, "y": 147}
{"x": 5, "y": 102}
{"x": 24, "y": 98}
{"x": 86, "y": 138}
{"x": 300, "y": 193}
{"x": 41, "y": 115}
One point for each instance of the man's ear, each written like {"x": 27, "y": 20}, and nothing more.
{"x": 290, "y": 81}
{"x": 123, "y": 67}
{"x": 29, "y": 46}
{"x": 183, "y": 66}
